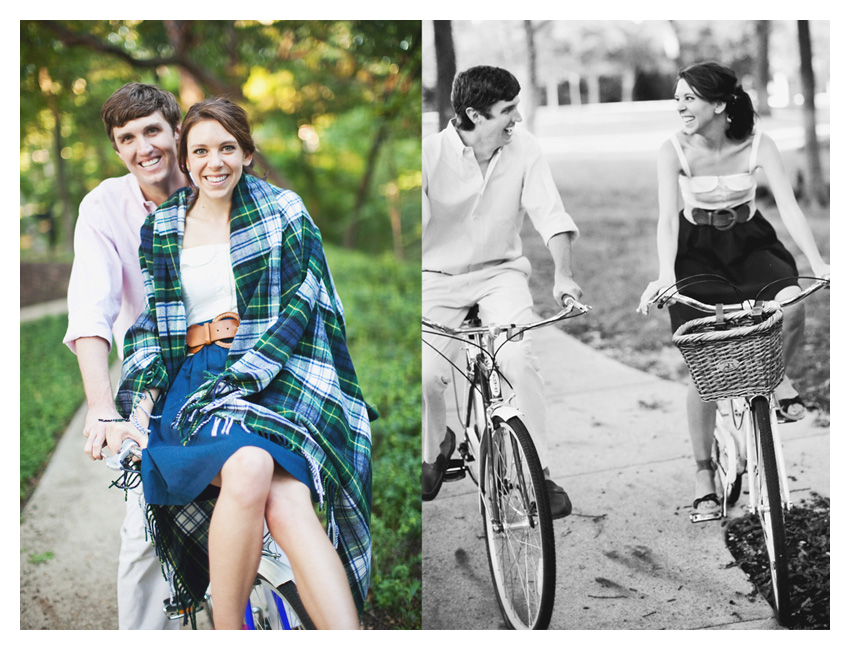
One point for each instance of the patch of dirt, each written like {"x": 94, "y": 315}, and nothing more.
{"x": 43, "y": 281}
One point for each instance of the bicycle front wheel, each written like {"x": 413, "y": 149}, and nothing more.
{"x": 518, "y": 526}
{"x": 770, "y": 509}
{"x": 274, "y": 603}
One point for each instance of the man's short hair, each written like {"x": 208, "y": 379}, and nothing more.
{"x": 135, "y": 100}
{"x": 479, "y": 88}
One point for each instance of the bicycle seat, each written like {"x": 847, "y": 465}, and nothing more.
{"x": 472, "y": 316}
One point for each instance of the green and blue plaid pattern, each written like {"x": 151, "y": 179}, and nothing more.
{"x": 289, "y": 376}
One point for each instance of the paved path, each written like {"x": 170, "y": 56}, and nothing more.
{"x": 628, "y": 557}
{"x": 70, "y": 533}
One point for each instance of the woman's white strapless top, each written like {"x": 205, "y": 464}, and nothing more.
{"x": 715, "y": 192}
{"x": 209, "y": 288}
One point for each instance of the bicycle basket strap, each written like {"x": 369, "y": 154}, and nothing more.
{"x": 743, "y": 360}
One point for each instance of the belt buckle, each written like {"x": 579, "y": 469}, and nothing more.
{"x": 728, "y": 212}
{"x": 228, "y": 315}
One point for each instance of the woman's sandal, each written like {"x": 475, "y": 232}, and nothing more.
{"x": 791, "y": 409}
{"x": 706, "y": 508}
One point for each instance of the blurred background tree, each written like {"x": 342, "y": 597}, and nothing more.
{"x": 335, "y": 107}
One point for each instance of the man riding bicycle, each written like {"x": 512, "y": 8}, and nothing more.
{"x": 480, "y": 177}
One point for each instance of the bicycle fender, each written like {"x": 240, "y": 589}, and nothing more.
{"x": 505, "y": 412}
{"x": 276, "y": 571}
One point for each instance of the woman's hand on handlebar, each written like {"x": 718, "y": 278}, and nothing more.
{"x": 821, "y": 271}
{"x": 651, "y": 292}
{"x": 118, "y": 432}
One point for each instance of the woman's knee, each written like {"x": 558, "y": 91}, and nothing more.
{"x": 247, "y": 475}
{"x": 290, "y": 503}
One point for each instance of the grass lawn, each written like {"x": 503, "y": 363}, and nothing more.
{"x": 51, "y": 392}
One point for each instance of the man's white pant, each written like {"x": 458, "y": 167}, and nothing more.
{"x": 502, "y": 295}
{"x": 141, "y": 586}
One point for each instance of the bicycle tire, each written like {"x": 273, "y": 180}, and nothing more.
{"x": 770, "y": 510}
{"x": 274, "y": 604}
{"x": 518, "y": 527}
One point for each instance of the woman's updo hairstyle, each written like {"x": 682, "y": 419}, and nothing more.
{"x": 717, "y": 83}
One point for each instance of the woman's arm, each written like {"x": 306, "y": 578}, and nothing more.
{"x": 138, "y": 428}
{"x": 789, "y": 210}
{"x": 667, "y": 234}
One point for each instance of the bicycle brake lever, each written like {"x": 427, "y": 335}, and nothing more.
{"x": 116, "y": 462}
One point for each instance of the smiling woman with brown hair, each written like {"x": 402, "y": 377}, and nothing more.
{"x": 712, "y": 162}
{"x": 238, "y": 382}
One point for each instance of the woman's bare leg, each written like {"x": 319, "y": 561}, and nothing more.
{"x": 793, "y": 335}
{"x": 236, "y": 532}
{"x": 319, "y": 574}
{"x": 701, "y": 419}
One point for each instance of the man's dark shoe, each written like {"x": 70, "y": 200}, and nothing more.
{"x": 559, "y": 502}
{"x": 433, "y": 473}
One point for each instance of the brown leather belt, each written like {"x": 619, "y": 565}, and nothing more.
{"x": 223, "y": 326}
{"x": 722, "y": 218}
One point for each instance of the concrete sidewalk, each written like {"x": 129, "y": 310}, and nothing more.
{"x": 628, "y": 557}
{"x": 70, "y": 536}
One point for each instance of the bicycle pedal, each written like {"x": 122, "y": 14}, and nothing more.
{"x": 172, "y": 610}
{"x": 697, "y": 518}
{"x": 455, "y": 470}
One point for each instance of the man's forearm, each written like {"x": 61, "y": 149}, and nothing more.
{"x": 93, "y": 358}
{"x": 561, "y": 248}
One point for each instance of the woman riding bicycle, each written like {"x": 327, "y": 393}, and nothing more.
{"x": 238, "y": 370}
{"x": 713, "y": 161}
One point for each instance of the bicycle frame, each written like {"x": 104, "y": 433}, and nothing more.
{"x": 479, "y": 342}
{"x": 734, "y": 429}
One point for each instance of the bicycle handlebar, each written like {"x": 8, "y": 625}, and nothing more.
{"x": 494, "y": 329}
{"x": 676, "y": 297}
{"x": 120, "y": 461}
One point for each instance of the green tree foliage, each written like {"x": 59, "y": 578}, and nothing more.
{"x": 336, "y": 109}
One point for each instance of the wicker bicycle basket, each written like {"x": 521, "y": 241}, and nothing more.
{"x": 738, "y": 359}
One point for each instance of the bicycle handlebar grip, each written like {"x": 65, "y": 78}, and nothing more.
{"x": 127, "y": 448}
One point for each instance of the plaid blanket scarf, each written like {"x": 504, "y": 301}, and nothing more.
{"x": 288, "y": 377}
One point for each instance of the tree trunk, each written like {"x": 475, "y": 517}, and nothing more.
{"x": 45, "y": 83}
{"x": 762, "y": 76}
{"x": 816, "y": 190}
{"x": 62, "y": 178}
{"x": 531, "y": 99}
{"x": 350, "y": 236}
{"x": 180, "y": 38}
{"x": 446, "y": 68}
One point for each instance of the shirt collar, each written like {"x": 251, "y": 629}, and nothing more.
{"x": 136, "y": 189}
{"x": 455, "y": 141}
{"x": 457, "y": 144}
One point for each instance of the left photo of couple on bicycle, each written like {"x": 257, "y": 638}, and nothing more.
{"x": 528, "y": 312}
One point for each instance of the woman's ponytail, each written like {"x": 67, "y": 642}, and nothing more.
{"x": 741, "y": 114}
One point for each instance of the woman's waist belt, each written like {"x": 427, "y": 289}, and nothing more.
{"x": 722, "y": 218}
{"x": 221, "y": 327}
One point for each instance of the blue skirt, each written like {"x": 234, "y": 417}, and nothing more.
{"x": 176, "y": 474}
